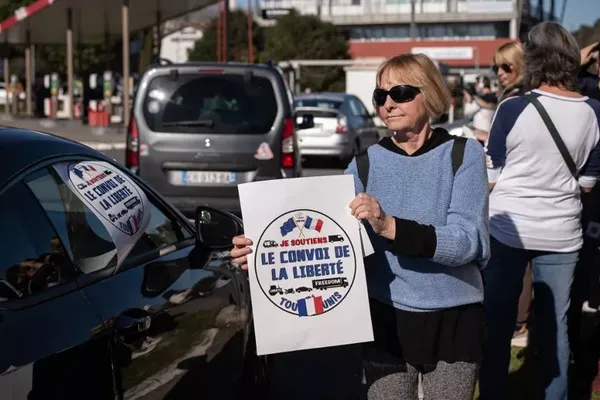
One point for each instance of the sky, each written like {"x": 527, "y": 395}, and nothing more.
{"x": 578, "y": 12}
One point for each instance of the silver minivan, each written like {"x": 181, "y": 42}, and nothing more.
{"x": 200, "y": 129}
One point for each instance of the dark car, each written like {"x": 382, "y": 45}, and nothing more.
{"x": 86, "y": 316}
{"x": 200, "y": 129}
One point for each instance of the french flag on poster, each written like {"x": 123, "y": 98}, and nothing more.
{"x": 310, "y": 306}
{"x": 313, "y": 224}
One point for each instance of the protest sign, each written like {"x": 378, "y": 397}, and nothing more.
{"x": 120, "y": 205}
{"x": 307, "y": 278}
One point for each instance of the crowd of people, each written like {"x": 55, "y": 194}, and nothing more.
{"x": 467, "y": 232}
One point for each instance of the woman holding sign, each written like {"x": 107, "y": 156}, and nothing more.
{"x": 422, "y": 194}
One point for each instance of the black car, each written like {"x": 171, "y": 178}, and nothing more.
{"x": 80, "y": 318}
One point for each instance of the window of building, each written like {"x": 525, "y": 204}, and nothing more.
{"x": 429, "y": 31}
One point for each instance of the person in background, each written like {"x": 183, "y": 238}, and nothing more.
{"x": 480, "y": 108}
{"x": 535, "y": 207}
{"x": 508, "y": 66}
{"x": 428, "y": 226}
{"x": 589, "y": 74}
{"x": 585, "y": 293}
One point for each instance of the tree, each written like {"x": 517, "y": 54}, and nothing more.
{"x": 586, "y": 34}
{"x": 205, "y": 49}
{"x": 307, "y": 37}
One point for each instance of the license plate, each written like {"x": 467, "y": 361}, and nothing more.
{"x": 207, "y": 178}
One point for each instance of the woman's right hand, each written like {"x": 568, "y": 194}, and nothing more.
{"x": 239, "y": 253}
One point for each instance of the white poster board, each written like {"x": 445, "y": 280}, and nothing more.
{"x": 307, "y": 277}
{"x": 113, "y": 197}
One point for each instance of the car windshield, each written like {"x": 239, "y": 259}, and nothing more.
{"x": 319, "y": 103}
{"x": 210, "y": 103}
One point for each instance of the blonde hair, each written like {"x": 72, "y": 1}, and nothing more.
{"x": 418, "y": 70}
{"x": 511, "y": 53}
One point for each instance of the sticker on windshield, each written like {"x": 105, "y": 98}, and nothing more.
{"x": 153, "y": 107}
{"x": 263, "y": 152}
{"x": 113, "y": 197}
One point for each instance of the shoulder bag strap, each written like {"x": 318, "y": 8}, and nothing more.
{"x": 555, "y": 135}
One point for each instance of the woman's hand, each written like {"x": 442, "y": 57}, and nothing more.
{"x": 587, "y": 52}
{"x": 367, "y": 207}
{"x": 239, "y": 253}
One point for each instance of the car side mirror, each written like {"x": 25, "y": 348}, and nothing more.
{"x": 305, "y": 121}
{"x": 216, "y": 228}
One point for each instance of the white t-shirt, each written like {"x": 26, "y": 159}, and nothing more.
{"x": 535, "y": 203}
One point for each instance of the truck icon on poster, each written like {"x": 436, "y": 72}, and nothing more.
{"x": 273, "y": 290}
{"x": 335, "y": 238}
{"x": 323, "y": 284}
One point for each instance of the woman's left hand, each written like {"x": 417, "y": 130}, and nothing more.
{"x": 367, "y": 207}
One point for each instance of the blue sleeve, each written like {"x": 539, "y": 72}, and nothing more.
{"x": 504, "y": 120}
{"x": 465, "y": 236}
{"x": 591, "y": 171}
{"x": 353, "y": 170}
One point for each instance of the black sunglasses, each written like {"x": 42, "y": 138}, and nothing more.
{"x": 400, "y": 94}
{"x": 505, "y": 67}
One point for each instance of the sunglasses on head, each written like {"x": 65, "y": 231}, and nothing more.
{"x": 400, "y": 94}
{"x": 505, "y": 67}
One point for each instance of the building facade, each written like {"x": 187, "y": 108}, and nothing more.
{"x": 461, "y": 33}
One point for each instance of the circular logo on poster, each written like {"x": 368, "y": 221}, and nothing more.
{"x": 305, "y": 263}
{"x": 110, "y": 194}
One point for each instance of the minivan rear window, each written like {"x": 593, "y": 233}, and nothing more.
{"x": 210, "y": 103}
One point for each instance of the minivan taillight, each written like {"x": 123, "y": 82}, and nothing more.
{"x": 132, "y": 152}
{"x": 287, "y": 144}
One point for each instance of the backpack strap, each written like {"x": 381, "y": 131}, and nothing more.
{"x": 458, "y": 151}
{"x": 362, "y": 166}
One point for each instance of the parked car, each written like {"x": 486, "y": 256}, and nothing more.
{"x": 200, "y": 129}
{"x": 333, "y": 125}
{"x": 90, "y": 312}
{"x": 3, "y": 94}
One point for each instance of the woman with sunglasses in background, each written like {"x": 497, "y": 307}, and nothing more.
{"x": 425, "y": 208}
{"x": 508, "y": 66}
